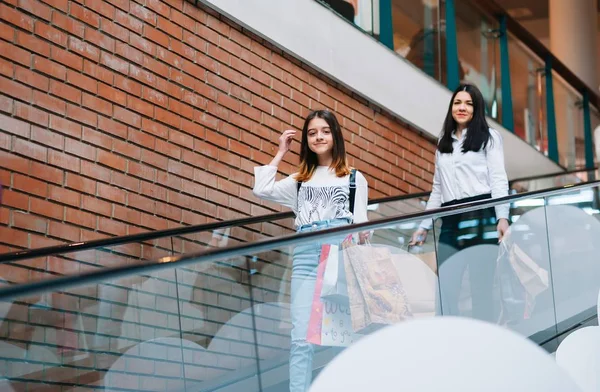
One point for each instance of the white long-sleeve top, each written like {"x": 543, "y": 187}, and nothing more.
{"x": 460, "y": 175}
{"x": 325, "y": 196}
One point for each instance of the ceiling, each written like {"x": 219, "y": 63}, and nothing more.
{"x": 523, "y": 10}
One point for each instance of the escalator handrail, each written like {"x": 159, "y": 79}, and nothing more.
{"x": 183, "y": 230}
{"x": 156, "y": 234}
{"x": 562, "y": 173}
{"x": 13, "y": 292}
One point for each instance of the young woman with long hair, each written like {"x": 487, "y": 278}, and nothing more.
{"x": 469, "y": 166}
{"x": 320, "y": 195}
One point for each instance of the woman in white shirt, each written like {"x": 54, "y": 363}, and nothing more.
{"x": 469, "y": 166}
{"x": 320, "y": 196}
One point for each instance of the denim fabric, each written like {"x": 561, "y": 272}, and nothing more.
{"x": 304, "y": 273}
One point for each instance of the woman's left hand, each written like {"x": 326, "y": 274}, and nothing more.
{"x": 502, "y": 228}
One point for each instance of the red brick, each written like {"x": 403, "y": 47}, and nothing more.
{"x": 110, "y": 159}
{"x": 127, "y": 117}
{"x": 169, "y": 57}
{"x": 62, "y": 160}
{"x": 112, "y": 127}
{"x": 16, "y": 18}
{"x": 67, "y": 24}
{"x": 94, "y": 171}
{"x": 80, "y": 149}
{"x": 97, "y": 105}
{"x": 99, "y": 39}
{"x": 80, "y": 184}
{"x": 167, "y": 117}
{"x": 155, "y": 128}
{"x": 141, "y": 171}
{"x": 47, "y": 137}
{"x": 31, "y": 114}
{"x": 143, "y": 13}
{"x": 154, "y": 159}
{"x": 36, "y": 8}
{"x": 169, "y": 149}
{"x": 111, "y": 227}
{"x": 84, "y": 49}
{"x": 140, "y": 106}
{"x": 48, "y": 102}
{"x": 51, "y": 34}
{"x": 129, "y": 21}
{"x": 65, "y": 232}
{"x": 158, "y": 67}
{"x": 33, "y": 79}
{"x": 142, "y": 44}
{"x": 183, "y": 20}
{"x": 65, "y": 126}
{"x": 30, "y": 185}
{"x": 82, "y": 115}
{"x": 127, "y": 215}
{"x": 45, "y": 208}
{"x": 142, "y": 75}
{"x": 114, "y": 63}
{"x": 81, "y": 81}
{"x": 30, "y": 222}
{"x": 101, "y": 7}
{"x": 170, "y": 28}
{"x": 97, "y": 206}
{"x": 183, "y": 50}
{"x": 99, "y": 73}
{"x": 33, "y": 44}
{"x": 114, "y": 30}
{"x": 85, "y": 15}
{"x": 125, "y": 182}
{"x": 155, "y": 97}
{"x": 7, "y": 68}
{"x": 15, "y": 90}
{"x": 111, "y": 94}
{"x": 111, "y": 193}
{"x": 68, "y": 59}
{"x": 49, "y": 68}
{"x": 16, "y": 54}
{"x": 156, "y": 36}
{"x": 46, "y": 173}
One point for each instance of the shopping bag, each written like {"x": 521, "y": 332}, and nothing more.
{"x": 334, "y": 278}
{"x": 330, "y": 323}
{"x": 519, "y": 280}
{"x": 384, "y": 300}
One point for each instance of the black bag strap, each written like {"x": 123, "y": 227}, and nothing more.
{"x": 352, "y": 195}
{"x": 352, "y": 190}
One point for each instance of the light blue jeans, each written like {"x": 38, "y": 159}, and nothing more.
{"x": 304, "y": 273}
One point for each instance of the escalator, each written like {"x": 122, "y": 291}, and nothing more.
{"x": 207, "y": 308}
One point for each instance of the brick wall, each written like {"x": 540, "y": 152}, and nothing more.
{"x": 123, "y": 116}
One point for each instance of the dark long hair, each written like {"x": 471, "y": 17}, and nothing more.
{"x": 478, "y": 135}
{"x": 309, "y": 160}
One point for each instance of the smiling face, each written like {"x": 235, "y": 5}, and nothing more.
{"x": 320, "y": 137}
{"x": 462, "y": 108}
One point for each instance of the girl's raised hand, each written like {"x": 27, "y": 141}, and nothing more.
{"x": 285, "y": 140}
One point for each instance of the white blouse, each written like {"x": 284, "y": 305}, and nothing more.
{"x": 460, "y": 175}
{"x": 325, "y": 196}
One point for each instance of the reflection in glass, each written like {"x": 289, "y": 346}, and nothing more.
{"x": 569, "y": 124}
{"x": 528, "y": 94}
{"x": 419, "y": 37}
{"x": 479, "y": 53}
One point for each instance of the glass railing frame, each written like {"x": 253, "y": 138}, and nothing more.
{"x": 178, "y": 231}
{"x": 215, "y": 254}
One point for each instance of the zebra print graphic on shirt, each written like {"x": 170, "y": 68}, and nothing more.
{"x": 322, "y": 203}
